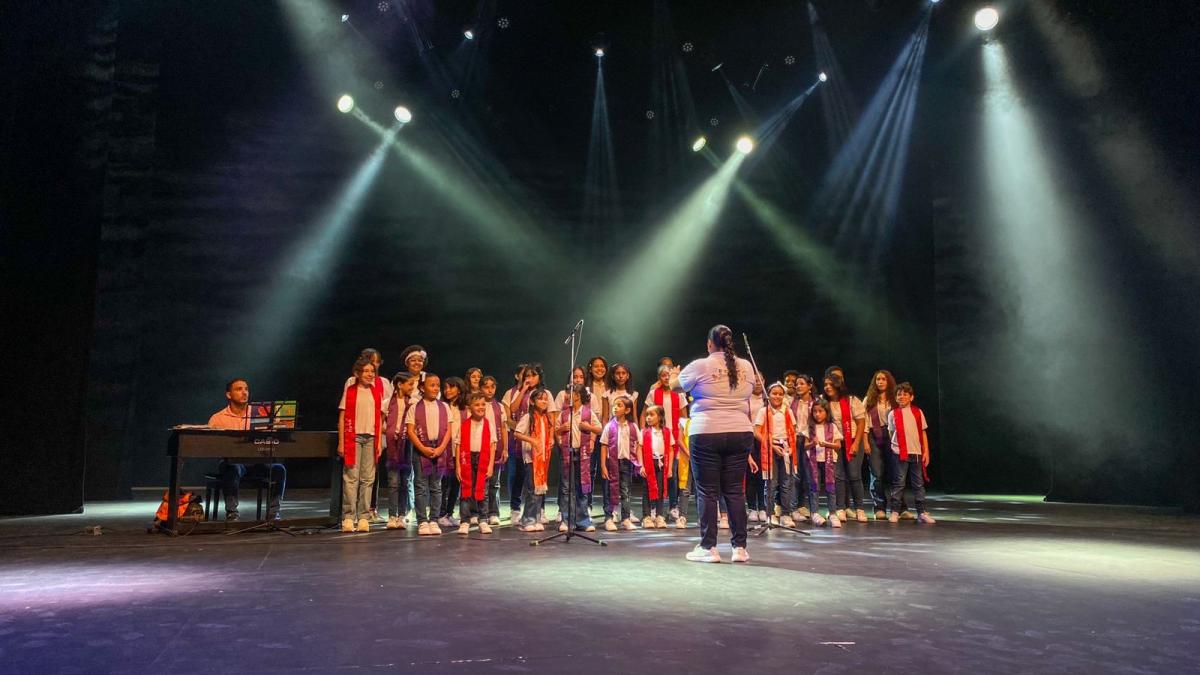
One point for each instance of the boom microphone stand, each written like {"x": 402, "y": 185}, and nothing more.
{"x": 763, "y": 528}
{"x": 570, "y": 455}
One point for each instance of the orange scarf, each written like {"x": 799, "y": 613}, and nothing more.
{"x": 765, "y": 442}
{"x": 539, "y": 426}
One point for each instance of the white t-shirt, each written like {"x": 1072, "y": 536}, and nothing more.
{"x": 576, "y": 418}
{"x": 779, "y": 417}
{"x": 432, "y": 418}
{"x": 912, "y": 435}
{"x": 387, "y": 392}
{"x": 657, "y": 448}
{"x": 881, "y": 409}
{"x": 523, "y": 428}
{"x": 821, "y": 435}
{"x": 494, "y": 424}
{"x": 622, "y": 440}
{"x": 475, "y": 442}
{"x": 857, "y": 411}
{"x": 364, "y": 413}
{"x": 614, "y": 395}
{"x": 715, "y": 407}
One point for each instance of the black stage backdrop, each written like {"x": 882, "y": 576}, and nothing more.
{"x": 222, "y": 152}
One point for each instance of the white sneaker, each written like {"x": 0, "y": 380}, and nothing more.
{"x": 699, "y": 554}
{"x": 753, "y": 517}
{"x": 681, "y": 523}
{"x": 393, "y": 523}
{"x": 539, "y": 528}
{"x": 474, "y": 520}
{"x": 494, "y": 520}
{"x": 347, "y": 525}
{"x": 860, "y": 515}
{"x": 740, "y": 554}
{"x": 803, "y": 512}
{"x": 817, "y": 519}
{"x": 423, "y": 529}
{"x": 926, "y": 518}
{"x": 880, "y": 515}
{"x": 562, "y": 527}
{"x": 762, "y": 516}
{"x": 609, "y": 525}
{"x": 648, "y": 521}
{"x": 834, "y": 521}
{"x": 402, "y": 522}
{"x": 453, "y": 521}
{"x": 723, "y": 524}
{"x": 590, "y": 528}
{"x": 464, "y": 528}
{"x": 788, "y": 522}
{"x": 660, "y": 523}
{"x": 775, "y": 520}
{"x": 627, "y": 524}
{"x": 484, "y": 528}
{"x": 841, "y": 514}
{"x": 894, "y": 518}
{"x": 434, "y": 528}
{"x": 797, "y": 515}
{"x": 364, "y": 525}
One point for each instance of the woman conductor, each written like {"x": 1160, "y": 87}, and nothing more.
{"x": 720, "y": 439}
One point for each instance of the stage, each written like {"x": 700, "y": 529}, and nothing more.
{"x": 1000, "y": 584}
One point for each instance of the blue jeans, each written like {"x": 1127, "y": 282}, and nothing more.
{"x": 583, "y": 515}
{"x": 784, "y": 485}
{"x": 719, "y": 464}
{"x": 848, "y": 478}
{"x": 429, "y": 495}
{"x": 515, "y": 470}
{"x": 883, "y": 467}
{"x": 911, "y": 470}
{"x": 654, "y": 507}
{"x": 533, "y": 502}
{"x": 231, "y": 479}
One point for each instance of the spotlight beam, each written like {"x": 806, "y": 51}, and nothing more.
{"x": 632, "y": 307}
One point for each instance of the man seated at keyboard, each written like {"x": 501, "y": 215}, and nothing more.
{"x": 236, "y": 416}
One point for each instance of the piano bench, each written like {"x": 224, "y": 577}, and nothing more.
{"x": 213, "y": 487}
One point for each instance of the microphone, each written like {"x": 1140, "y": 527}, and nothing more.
{"x": 574, "y": 331}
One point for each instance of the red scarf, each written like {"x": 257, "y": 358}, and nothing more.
{"x": 648, "y": 458}
{"x": 847, "y": 426}
{"x": 540, "y": 456}
{"x": 765, "y": 442}
{"x": 676, "y": 405}
{"x": 348, "y": 433}
{"x": 898, "y": 414}
{"x": 474, "y": 484}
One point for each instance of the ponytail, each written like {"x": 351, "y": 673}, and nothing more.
{"x": 722, "y": 338}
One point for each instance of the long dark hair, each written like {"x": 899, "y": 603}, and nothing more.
{"x": 460, "y": 401}
{"x": 612, "y": 381}
{"x": 588, "y": 378}
{"x": 888, "y": 394}
{"x": 722, "y": 338}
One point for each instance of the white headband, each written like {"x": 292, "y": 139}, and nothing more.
{"x": 416, "y": 353}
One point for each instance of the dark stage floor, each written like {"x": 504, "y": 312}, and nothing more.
{"x": 1001, "y": 584}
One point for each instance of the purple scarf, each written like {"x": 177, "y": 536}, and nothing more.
{"x": 829, "y": 465}
{"x": 397, "y": 440}
{"x": 444, "y": 466}
{"x": 586, "y": 442}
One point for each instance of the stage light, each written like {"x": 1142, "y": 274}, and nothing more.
{"x": 345, "y": 103}
{"x": 718, "y": 66}
{"x": 455, "y": 93}
{"x": 789, "y": 60}
{"x": 378, "y": 85}
{"x": 345, "y": 18}
{"x": 383, "y": 6}
{"x": 934, "y": 2}
{"x": 699, "y": 144}
{"x": 823, "y": 77}
{"x": 469, "y": 34}
{"x": 403, "y": 115}
{"x": 745, "y": 145}
{"x": 986, "y": 19}
{"x": 502, "y": 22}
{"x": 649, "y": 114}
{"x": 713, "y": 121}
{"x": 688, "y": 47}
{"x": 599, "y": 52}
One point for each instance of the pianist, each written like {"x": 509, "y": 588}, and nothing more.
{"x": 236, "y": 416}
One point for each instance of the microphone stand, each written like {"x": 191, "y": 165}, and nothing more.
{"x": 570, "y": 455}
{"x": 269, "y": 524}
{"x": 768, "y": 472}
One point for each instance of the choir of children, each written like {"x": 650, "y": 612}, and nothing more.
{"x": 452, "y": 439}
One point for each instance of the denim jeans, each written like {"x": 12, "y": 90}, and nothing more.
{"x": 881, "y": 477}
{"x": 429, "y": 494}
{"x": 626, "y": 479}
{"x": 583, "y": 516}
{"x": 784, "y": 485}
{"x": 533, "y": 502}
{"x": 231, "y": 479}
{"x": 358, "y": 480}
{"x": 611, "y": 487}
{"x": 911, "y": 470}
{"x": 848, "y": 478}
{"x": 719, "y": 463}
{"x": 515, "y": 471}
{"x": 449, "y": 493}
{"x": 493, "y": 499}
{"x": 468, "y": 507}
{"x": 756, "y": 491}
{"x": 654, "y": 507}
{"x": 398, "y": 491}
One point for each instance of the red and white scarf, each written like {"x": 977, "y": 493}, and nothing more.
{"x": 474, "y": 484}
{"x": 349, "y": 445}
{"x": 898, "y": 414}
{"x": 843, "y": 404}
{"x": 675, "y": 405}
{"x": 648, "y": 457}
{"x": 767, "y": 439}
